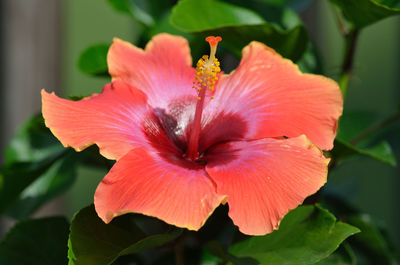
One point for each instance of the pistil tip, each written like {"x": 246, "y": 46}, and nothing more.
{"x": 213, "y": 40}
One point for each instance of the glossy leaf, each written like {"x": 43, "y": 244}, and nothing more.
{"x": 344, "y": 255}
{"x": 333, "y": 259}
{"x": 36, "y": 242}
{"x": 92, "y": 242}
{"x": 93, "y": 60}
{"x": 310, "y": 61}
{"x": 130, "y": 8}
{"x": 298, "y": 5}
{"x": 282, "y": 16}
{"x": 197, "y": 16}
{"x": 362, "y": 13}
{"x": 37, "y": 169}
{"x": 32, "y": 142}
{"x": 290, "y": 44}
{"x": 217, "y": 250}
{"x": 305, "y": 236}
{"x": 238, "y": 26}
{"x": 351, "y": 125}
{"x": 16, "y": 177}
{"x": 372, "y": 243}
{"x": 58, "y": 178}
{"x": 147, "y": 12}
{"x": 381, "y": 152}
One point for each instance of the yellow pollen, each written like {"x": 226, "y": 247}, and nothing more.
{"x": 207, "y": 68}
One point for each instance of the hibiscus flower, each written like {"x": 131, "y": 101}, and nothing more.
{"x": 186, "y": 140}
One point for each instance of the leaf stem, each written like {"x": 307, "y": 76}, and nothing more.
{"x": 342, "y": 27}
{"x": 178, "y": 249}
{"x": 376, "y": 127}
{"x": 348, "y": 61}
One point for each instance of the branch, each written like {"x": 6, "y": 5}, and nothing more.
{"x": 376, "y": 127}
{"x": 348, "y": 61}
{"x": 178, "y": 249}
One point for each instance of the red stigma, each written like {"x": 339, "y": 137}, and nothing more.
{"x": 213, "y": 40}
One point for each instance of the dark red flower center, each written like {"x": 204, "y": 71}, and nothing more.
{"x": 169, "y": 132}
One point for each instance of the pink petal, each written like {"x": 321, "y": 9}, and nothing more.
{"x": 163, "y": 70}
{"x": 276, "y": 99}
{"x": 266, "y": 178}
{"x": 112, "y": 119}
{"x": 158, "y": 185}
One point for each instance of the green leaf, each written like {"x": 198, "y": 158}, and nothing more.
{"x": 37, "y": 169}
{"x": 197, "y": 16}
{"x": 16, "y": 177}
{"x": 351, "y": 125}
{"x": 298, "y": 5}
{"x": 281, "y": 16}
{"x": 372, "y": 242}
{"x": 93, "y": 60}
{"x": 58, "y": 178}
{"x": 290, "y": 44}
{"x": 130, "y": 8}
{"x": 344, "y": 255}
{"x": 92, "y": 242}
{"x": 32, "y": 142}
{"x": 238, "y": 26}
{"x": 77, "y": 97}
{"x": 146, "y": 12}
{"x": 310, "y": 61}
{"x": 374, "y": 245}
{"x": 381, "y": 152}
{"x": 334, "y": 259}
{"x": 215, "y": 248}
{"x": 362, "y": 13}
{"x": 36, "y": 242}
{"x": 305, "y": 236}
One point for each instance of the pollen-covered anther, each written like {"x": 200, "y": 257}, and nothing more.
{"x": 208, "y": 67}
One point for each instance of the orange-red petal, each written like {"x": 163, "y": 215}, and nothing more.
{"x": 163, "y": 70}
{"x": 143, "y": 181}
{"x": 277, "y": 99}
{"x": 112, "y": 119}
{"x": 266, "y": 178}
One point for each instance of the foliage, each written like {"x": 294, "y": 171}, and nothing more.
{"x": 305, "y": 236}
{"x": 362, "y": 13}
{"x": 239, "y": 26}
{"x": 91, "y": 241}
{"x": 34, "y": 159}
{"x": 36, "y": 242}
{"x": 93, "y": 60}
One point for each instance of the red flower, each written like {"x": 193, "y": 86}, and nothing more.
{"x": 180, "y": 153}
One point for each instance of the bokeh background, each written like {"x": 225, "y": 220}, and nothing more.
{"x": 41, "y": 40}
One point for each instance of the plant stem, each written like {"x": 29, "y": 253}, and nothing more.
{"x": 348, "y": 61}
{"x": 376, "y": 127}
{"x": 178, "y": 249}
{"x": 341, "y": 25}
